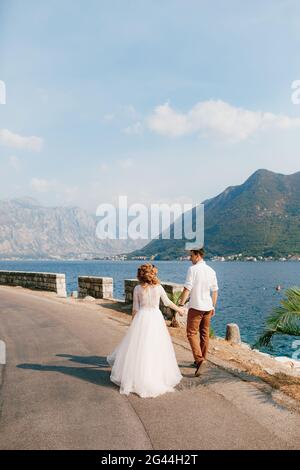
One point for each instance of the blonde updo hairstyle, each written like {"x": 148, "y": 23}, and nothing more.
{"x": 147, "y": 275}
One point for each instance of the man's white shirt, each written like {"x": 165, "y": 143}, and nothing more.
{"x": 201, "y": 280}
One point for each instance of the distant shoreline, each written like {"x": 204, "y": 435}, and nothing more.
{"x": 214, "y": 260}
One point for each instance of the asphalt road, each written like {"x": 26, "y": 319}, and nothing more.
{"x": 56, "y": 392}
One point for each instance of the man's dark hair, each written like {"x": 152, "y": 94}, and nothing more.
{"x": 200, "y": 252}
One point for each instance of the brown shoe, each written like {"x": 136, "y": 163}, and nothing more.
{"x": 197, "y": 373}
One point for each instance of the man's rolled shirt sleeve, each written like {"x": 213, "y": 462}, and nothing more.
{"x": 214, "y": 285}
{"x": 189, "y": 280}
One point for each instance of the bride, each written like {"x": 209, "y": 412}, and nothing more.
{"x": 144, "y": 362}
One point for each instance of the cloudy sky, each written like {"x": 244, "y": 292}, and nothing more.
{"x": 162, "y": 101}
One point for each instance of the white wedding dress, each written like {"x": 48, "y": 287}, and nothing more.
{"x": 144, "y": 362}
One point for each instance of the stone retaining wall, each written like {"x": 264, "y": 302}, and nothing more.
{"x": 52, "y": 282}
{"x": 170, "y": 288}
{"x": 97, "y": 287}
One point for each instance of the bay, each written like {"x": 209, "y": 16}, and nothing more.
{"x": 247, "y": 290}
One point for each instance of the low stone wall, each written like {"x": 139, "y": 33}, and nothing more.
{"x": 129, "y": 285}
{"x": 97, "y": 287}
{"x": 52, "y": 282}
{"x": 170, "y": 288}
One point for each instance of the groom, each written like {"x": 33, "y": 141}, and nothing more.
{"x": 202, "y": 287}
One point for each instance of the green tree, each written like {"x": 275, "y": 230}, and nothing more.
{"x": 284, "y": 320}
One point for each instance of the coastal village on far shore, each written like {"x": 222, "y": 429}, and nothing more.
{"x": 238, "y": 257}
{"x": 125, "y": 257}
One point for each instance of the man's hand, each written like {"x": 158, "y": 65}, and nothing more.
{"x": 214, "y": 301}
{"x": 213, "y": 312}
{"x": 182, "y": 311}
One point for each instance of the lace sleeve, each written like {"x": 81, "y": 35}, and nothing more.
{"x": 165, "y": 299}
{"x": 135, "y": 304}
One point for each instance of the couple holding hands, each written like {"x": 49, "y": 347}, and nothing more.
{"x": 144, "y": 362}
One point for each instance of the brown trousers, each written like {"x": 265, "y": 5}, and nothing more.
{"x": 198, "y": 324}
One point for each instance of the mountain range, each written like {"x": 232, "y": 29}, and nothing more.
{"x": 259, "y": 217}
{"x": 31, "y": 230}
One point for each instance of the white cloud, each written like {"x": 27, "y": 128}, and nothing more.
{"x": 103, "y": 167}
{"x": 127, "y": 163}
{"x": 9, "y": 139}
{"x": 2, "y": 92}
{"x": 14, "y": 162}
{"x": 129, "y": 111}
{"x": 61, "y": 192}
{"x": 70, "y": 193}
{"x": 216, "y": 119}
{"x": 43, "y": 95}
{"x": 108, "y": 117}
{"x": 41, "y": 185}
{"x": 122, "y": 114}
{"x": 134, "y": 129}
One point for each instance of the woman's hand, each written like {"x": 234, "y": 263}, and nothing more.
{"x": 181, "y": 311}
